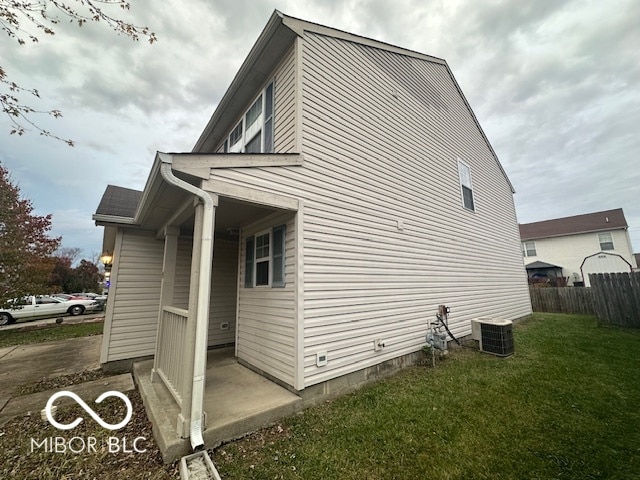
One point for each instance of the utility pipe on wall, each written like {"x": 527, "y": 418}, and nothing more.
{"x": 209, "y": 202}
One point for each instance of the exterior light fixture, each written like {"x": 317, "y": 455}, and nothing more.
{"x": 107, "y": 259}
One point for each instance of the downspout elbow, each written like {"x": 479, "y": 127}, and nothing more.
{"x": 206, "y": 257}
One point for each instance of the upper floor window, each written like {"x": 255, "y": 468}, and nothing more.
{"x": 529, "y": 249}
{"x": 606, "y": 241}
{"x": 464, "y": 172}
{"x": 254, "y": 132}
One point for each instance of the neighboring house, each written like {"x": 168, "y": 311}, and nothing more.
{"x": 342, "y": 190}
{"x": 574, "y": 247}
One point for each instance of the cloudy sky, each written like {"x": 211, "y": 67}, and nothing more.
{"x": 555, "y": 85}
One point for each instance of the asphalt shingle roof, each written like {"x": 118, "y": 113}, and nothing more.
{"x": 119, "y": 202}
{"x": 590, "y": 222}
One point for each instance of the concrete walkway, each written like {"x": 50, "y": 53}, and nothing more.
{"x": 237, "y": 400}
{"x": 24, "y": 364}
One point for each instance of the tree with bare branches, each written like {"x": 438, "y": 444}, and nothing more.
{"x": 20, "y": 18}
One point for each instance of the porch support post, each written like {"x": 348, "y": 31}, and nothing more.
{"x": 190, "y": 418}
{"x": 167, "y": 284}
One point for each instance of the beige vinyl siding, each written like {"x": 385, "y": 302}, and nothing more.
{"x": 266, "y": 330}
{"x": 385, "y": 131}
{"x": 222, "y": 306}
{"x": 284, "y": 129}
{"x": 386, "y": 236}
{"x": 135, "y": 294}
{"x": 224, "y": 281}
{"x": 285, "y": 111}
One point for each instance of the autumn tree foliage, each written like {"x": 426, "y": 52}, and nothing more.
{"x": 85, "y": 277}
{"x": 23, "y": 21}
{"x": 25, "y": 244}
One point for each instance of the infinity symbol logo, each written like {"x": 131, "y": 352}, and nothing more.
{"x": 88, "y": 409}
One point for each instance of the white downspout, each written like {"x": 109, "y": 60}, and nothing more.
{"x": 202, "y": 311}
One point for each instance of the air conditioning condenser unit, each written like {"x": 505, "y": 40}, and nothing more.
{"x": 494, "y": 335}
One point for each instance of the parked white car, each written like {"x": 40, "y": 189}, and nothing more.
{"x": 40, "y": 306}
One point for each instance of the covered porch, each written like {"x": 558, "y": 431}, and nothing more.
{"x": 236, "y": 399}
{"x": 204, "y": 210}
{"x": 189, "y": 226}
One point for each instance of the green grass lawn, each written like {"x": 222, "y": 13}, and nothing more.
{"x": 565, "y": 406}
{"x": 9, "y": 338}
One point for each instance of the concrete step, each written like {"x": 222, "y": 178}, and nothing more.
{"x": 237, "y": 402}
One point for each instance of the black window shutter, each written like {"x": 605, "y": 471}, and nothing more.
{"x": 248, "y": 263}
{"x": 278, "y": 256}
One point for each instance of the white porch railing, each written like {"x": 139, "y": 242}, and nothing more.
{"x": 170, "y": 354}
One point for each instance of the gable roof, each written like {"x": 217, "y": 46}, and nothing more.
{"x": 119, "y": 202}
{"x": 275, "y": 39}
{"x": 590, "y": 222}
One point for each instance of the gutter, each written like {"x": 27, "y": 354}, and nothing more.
{"x": 204, "y": 284}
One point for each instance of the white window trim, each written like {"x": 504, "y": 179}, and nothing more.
{"x": 525, "y": 252}
{"x": 257, "y": 127}
{"x": 268, "y": 258}
{"x": 600, "y": 242}
{"x": 470, "y": 186}
{"x": 251, "y": 264}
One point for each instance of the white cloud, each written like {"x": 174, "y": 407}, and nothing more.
{"x": 554, "y": 85}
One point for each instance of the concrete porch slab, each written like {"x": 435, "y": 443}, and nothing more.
{"x": 237, "y": 401}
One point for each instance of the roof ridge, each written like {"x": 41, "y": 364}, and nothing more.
{"x": 584, "y": 223}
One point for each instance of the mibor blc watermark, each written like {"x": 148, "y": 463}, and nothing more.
{"x": 89, "y": 444}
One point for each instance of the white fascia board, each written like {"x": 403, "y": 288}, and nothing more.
{"x": 103, "y": 220}
{"x": 199, "y": 165}
{"x": 251, "y": 195}
{"x": 154, "y": 180}
{"x": 300, "y": 26}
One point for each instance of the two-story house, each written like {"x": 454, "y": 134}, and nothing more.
{"x": 342, "y": 190}
{"x": 573, "y": 247}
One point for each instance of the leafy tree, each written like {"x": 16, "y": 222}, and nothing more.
{"x": 61, "y": 274}
{"x": 19, "y": 17}
{"x": 25, "y": 247}
{"x": 85, "y": 277}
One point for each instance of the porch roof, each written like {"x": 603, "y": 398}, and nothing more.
{"x": 119, "y": 202}
{"x": 161, "y": 202}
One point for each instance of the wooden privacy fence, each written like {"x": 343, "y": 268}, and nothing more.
{"x": 616, "y": 298}
{"x": 613, "y": 297}
{"x": 576, "y": 300}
